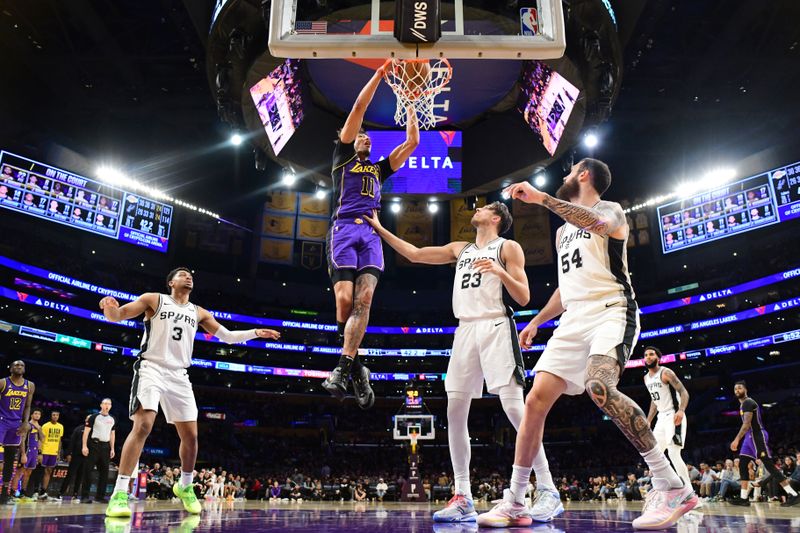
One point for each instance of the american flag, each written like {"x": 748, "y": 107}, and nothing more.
{"x": 305, "y": 26}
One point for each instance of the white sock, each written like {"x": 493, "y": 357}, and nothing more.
{"x": 520, "y": 477}
{"x": 757, "y": 493}
{"x": 744, "y": 493}
{"x": 458, "y": 440}
{"x": 544, "y": 479}
{"x": 677, "y": 461}
{"x": 186, "y": 478}
{"x": 660, "y": 467}
{"x": 122, "y": 483}
{"x": 789, "y": 490}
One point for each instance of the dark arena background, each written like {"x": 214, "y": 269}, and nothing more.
{"x": 138, "y": 137}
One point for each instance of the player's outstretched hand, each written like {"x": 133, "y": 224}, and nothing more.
{"x": 110, "y": 302}
{"x": 487, "y": 265}
{"x": 524, "y": 191}
{"x": 373, "y": 220}
{"x": 527, "y": 335}
{"x": 268, "y": 334}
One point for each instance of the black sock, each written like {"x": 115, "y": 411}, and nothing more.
{"x": 357, "y": 365}
{"x": 9, "y": 453}
{"x": 345, "y": 363}
{"x": 340, "y": 328}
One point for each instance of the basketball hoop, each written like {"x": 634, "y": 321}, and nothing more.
{"x": 415, "y": 83}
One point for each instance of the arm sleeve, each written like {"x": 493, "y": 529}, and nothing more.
{"x": 234, "y": 337}
{"x": 386, "y": 169}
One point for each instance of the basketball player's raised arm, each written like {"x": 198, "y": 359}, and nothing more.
{"x": 114, "y": 313}
{"x": 513, "y": 275}
{"x": 606, "y": 218}
{"x": 670, "y": 378}
{"x": 356, "y": 116}
{"x": 402, "y": 152}
{"x": 429, "y": 255}
{"x": 207, "y": 321}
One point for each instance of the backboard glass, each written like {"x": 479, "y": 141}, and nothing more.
{"x": 422, "y": 424}
{"x": 364, "y": 29}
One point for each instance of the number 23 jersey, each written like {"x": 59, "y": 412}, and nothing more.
{"x": 477, "y": 295}
{"x": 591, "y": 267}
{"x": 169, "y": 334}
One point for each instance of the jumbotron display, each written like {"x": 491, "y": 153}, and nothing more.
{"x": 48, "y": 192}
{"x": 738, "y": 207}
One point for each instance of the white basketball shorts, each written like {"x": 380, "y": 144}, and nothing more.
{"x": 664, "y": 430}
{"x": 155, "y": 385}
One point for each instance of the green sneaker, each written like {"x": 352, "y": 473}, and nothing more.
{"x": 187, "y": 496}
{"x": 118, "y": 505}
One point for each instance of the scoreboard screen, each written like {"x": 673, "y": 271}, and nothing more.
{"x": 48, "y": 192}
{"x": 413, "y": 399}
{"x": 735, "y": 208}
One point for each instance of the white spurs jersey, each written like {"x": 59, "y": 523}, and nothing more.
{"x": 169, "y": 334}
{"x": 591, "y": 267}
{"x": 663, "y": 394}
{"x": 477, "y": 295}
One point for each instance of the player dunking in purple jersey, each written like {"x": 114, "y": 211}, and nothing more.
{"x": 754, "y": 442}
{"x": 355, "y": 253}
{"x": 16, "y": 396}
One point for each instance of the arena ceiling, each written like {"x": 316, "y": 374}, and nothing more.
{"x": 705, "y": 82}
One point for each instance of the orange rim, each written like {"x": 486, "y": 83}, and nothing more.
{"x": 415, "y": 95}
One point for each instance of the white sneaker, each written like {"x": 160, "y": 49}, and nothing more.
{"x": 508, "y": 513}
{"x": 547, "y": 506}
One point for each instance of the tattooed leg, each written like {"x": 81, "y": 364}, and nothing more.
{"x": 602, "y": 376}
{"x": 357, "y": 323}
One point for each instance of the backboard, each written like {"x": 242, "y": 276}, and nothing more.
{"x": 471, "y": 29}
{"x": 423, "y": 425}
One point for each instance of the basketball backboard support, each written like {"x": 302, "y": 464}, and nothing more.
{"x": 363, "y": 29}
{"x": 423, "y": 425}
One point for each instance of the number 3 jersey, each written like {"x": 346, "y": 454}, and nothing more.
{"x": 169, "y": 334}
{"x": 591, "y": 267}
{"x": 477, "y": 295}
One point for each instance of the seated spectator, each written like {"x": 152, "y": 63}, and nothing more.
{"x": 165, "y": 489}
{"x": 729, "y": 479}
{"x": 631, "y": 489}
{"x": 275, "y": 492}
{"x": 360, "y": 494}
{"x": 381, "y": 488}
{"x": 707, "y": 481}
{"x": 694, "y": 477}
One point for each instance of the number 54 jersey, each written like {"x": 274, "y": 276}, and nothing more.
{"x": 591, "y": 267}
{"x": 169, "y": 334}
{"x": 477, "y": 295}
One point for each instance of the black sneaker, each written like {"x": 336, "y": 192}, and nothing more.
{"x": 86, "y": 500}
{"x": 362, "y": 389}
{"x": 336, "y": 383}
{"x": 742, "y": 502}
{"x": 791, "y": 500}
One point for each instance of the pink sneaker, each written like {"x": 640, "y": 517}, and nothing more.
{"x": 663, "y": 506}
{"x": 507, "y": 513}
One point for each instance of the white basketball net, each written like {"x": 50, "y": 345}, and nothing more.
{"x": 417, "y": 89}
{"x": 413, "y": 437}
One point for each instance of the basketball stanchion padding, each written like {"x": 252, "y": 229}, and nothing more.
{"x": 415, "y": 83}
{"x": 417, "y": 21}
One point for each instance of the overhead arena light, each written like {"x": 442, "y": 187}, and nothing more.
{"x": 289, "y": 178}
{"x": 119, "y": 179}
{"x": 321, "y": 194}
{"x": 395, "y": 207}
{"x": 237, "y": 139}
{"x": 712, "y": 179}
{"x": 540, "y": 180}
{"x": 433, "y": 207}
{"x": 590, "y": 140}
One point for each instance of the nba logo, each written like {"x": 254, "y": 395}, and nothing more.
{"x": 529, "y": 21}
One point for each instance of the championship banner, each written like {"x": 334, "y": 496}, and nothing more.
{"x": 281, "y": 202}
{"x": 277, "y": 251}
{"x": 461, "y": 219}
{"x": 532, "y": 232}
{"x": 282, "y": 226}
{"x": 312, "y": 229}
{"x": 312, "y": 206}
{"x": 415, "y": 225}
{"x": 311, "y": 255}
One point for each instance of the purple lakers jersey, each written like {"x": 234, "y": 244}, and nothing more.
{"x": 356, "y": 183}
{"x": 33, "y": 438}
{"x": 12, "y": 402}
